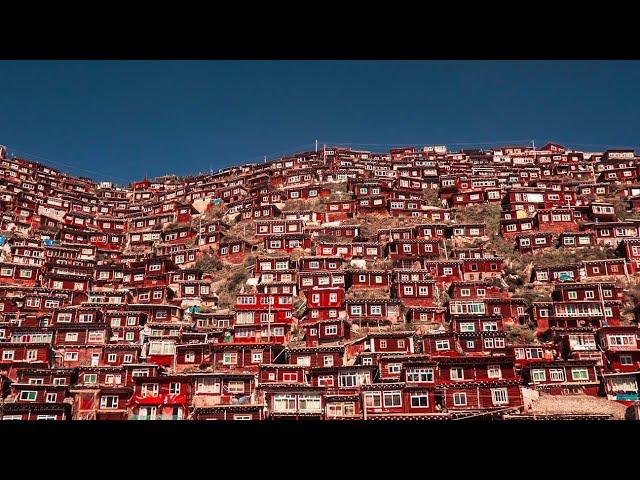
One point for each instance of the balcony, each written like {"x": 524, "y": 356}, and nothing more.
{"x": 305, "y": 411}
{"x": 156, "y": 417}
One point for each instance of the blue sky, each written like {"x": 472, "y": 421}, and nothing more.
{"x": 127, "y": 119}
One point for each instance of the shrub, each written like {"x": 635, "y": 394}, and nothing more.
{"x": 209, "y": 264}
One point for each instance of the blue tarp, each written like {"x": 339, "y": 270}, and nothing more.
{"x": 627, "y": 396}
{"x": 3, "y": 239}
{"x": 565, "y": 276}
{"x": 48, "y": 242}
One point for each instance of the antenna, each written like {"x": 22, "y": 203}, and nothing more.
{"x": 316, "y": 145}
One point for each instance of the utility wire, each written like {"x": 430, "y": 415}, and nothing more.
{"x": 68, "y": 165}
{"x": 404, "y": 144}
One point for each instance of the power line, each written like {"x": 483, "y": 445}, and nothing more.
{"x": 68, "y": 165}
{"x": 401, "y": 144}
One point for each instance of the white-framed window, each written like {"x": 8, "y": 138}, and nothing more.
{"x": 556, "y": 375}
{"x": 626, "y": 359}
{"x": 25, "y": 273}
{"x": 64, "y": 317}
{"x": 348, "y": 379}
{"x": 419, "y": 400}
{"x": 230, "y": 358}
{"x": 394, "y": 368}
{"x": 372, "y": 399}
{"x": 442, "y": 345}
{"x": 331, "y": 330}
{"x": 460, "y": 399}
{"x": 494, "y": 371}
{"x": 51, "y": 398}
{"x": 499, "y": 396}
{"x": 490, "y": 326}
{"x": 538, "y": 375}
{"x": 325, "y": 381}
{"x": 70, "y": 356}
{"x": 392, "y": 399}
{"x": 46, "y": 417}
{"x": 28, "y": 395}
{"x": 456, "y": 373}
{"x": 579, "y": 374}
{"x": 420, "y": 375}
{"x": 109, "y": 402}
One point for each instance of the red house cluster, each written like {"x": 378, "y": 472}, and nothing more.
{"x": 106, "y": 311}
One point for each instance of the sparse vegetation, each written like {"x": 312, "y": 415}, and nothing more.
{"x": 519, "y": 335}
{"x": 209, "y": 264}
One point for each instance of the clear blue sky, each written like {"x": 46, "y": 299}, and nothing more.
{"x": 122, "y": 120}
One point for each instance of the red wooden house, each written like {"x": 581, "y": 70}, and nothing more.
{"x": 19, "y": 274}
{"x": 620, "y": 344}
{"x": 244, "y": 355}
{"x": 563, "y": 377}
{"x": 614, "y": 267}
{"x": 398, "y": 249}
{"x": 321, "y": 279}
{"x": 316, "y": 356}
{"x": 368, "y": 279}
{"x": 413, "y": 287}
{"x": 293, "y": 401}
{"x": 314, "y": 264}
{"x": 479, "y": 383}
{"x": 481, "y": 268}
{"x": 373, "y": 310}
{"x": 165, "y": 397}
{"x": 286, "y": 242}
{"x": 564, "y": 273}
{"x": 325, "y": 331}
{"x": 339, "y": 210}
{"x": 431, "y": 231}
{"x": 530, "y": 242}
{"x": 363, "y": 250}
{"x": 629, "y": 249}
{"x": 576, "y": 239}
{"x": 283, "y": 373}
{"x": 324, "y": 303}
{"x": 444, "y": 271}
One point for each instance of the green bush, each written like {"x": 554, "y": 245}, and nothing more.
{"x": 209, "y": 264}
